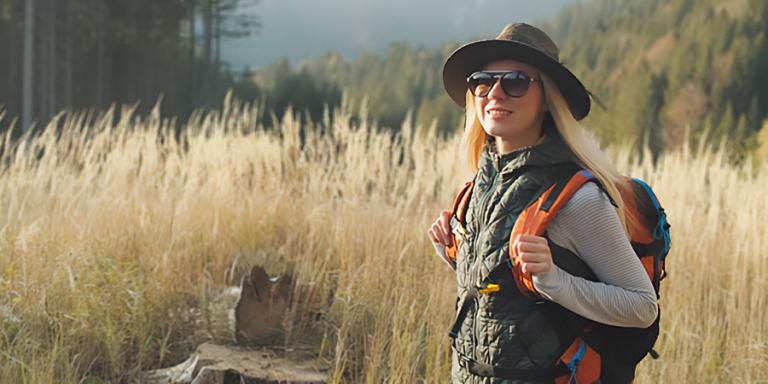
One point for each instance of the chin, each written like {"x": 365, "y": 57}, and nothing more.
{"x": 503, "y": 129}
{"x": 495, "y": 130}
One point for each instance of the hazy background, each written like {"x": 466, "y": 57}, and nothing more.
{"x": 662, "y": 72}
{"x": 301, "y": 29}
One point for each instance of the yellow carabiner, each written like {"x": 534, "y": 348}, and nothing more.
{"x": 489, "y": 289}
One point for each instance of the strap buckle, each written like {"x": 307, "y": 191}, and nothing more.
{"x": 458, "y": 229}
{"x": 573, "y": 364}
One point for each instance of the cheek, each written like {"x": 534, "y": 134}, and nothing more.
{"x": 538, "y": 103}
{"x": 533, "y": 107}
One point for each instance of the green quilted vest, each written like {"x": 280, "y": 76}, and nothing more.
{"x": 506, "y": 329}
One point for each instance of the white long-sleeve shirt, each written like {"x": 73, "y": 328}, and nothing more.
{"x": 589, "y": 226}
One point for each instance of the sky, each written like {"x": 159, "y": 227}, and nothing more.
{"x": 297, "y": 29}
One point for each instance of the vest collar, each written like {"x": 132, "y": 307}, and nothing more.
{"x": 550, "y": 149}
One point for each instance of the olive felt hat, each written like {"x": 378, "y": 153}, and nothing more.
{"x": 520, "y": 42}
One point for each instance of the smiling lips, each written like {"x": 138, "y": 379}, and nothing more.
{"x": 497, "y": 112}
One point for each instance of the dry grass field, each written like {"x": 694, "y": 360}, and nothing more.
{"x": 112, "y": 232}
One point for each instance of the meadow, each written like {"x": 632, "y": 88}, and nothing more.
{"x": 115, "y": 233}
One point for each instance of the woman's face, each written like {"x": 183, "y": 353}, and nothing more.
{"x": 514, "y": 119}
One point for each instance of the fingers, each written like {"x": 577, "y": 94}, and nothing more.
{"x": 531, "y": 239}
{"x": 432, "y": 237}
{"x": 440, "y": 231}
{"x": 436, "y": 234}
{"x": 445, "y": 221}
{"x": 530, "y": 243}
{"x": 535, "y": 268}
{"x": 533, "y": 257}
{"x": 534, "y": 253}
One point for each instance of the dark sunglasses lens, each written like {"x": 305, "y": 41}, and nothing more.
{"x": 480, "y": 84}
{"x": 515, "y": 84}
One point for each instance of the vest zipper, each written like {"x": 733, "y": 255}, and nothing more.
{"x": 475, "y": 273}
{"x": 482, "y": 225}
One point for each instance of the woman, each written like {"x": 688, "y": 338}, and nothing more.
{"x": 522, "y": 111}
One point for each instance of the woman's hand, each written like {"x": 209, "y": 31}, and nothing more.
{"x": 440, "y": 232}
{"x": 534, "y": 253}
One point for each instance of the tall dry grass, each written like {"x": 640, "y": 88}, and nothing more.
{"x": 114, "y": 233}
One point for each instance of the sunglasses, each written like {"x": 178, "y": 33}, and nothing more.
{"x": 513, "y": 83}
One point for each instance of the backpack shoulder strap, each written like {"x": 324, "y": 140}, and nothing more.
{"x": 459, "y": 211}
{"x": 534, "y": 220}
{"x": 461, "y": 201}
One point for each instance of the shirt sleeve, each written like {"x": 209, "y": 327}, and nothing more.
{"x": 589, "y": 226}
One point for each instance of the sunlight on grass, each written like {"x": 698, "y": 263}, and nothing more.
{"x": 114, "y": 233}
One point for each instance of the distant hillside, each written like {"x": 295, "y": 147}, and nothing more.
{"x": 660, "y": 66}
{"x": 657, "y": 66}
{"x": 403, "y": 79}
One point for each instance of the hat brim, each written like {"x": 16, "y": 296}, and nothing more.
{"x": 473, "y": 56}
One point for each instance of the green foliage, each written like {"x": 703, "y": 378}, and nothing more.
{"x": 659, "y": 67}
{"x": 716, "y": 49}
{"x": 761, "y": 142}
{"x": 299, "y": 89}
{"x": 92, "y": 53}
{"x": 404, "y": 79}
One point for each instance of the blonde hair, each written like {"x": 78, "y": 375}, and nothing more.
{"x": 581, "y": 143}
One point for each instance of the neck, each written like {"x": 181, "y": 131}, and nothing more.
{"x": 530, "y": 136}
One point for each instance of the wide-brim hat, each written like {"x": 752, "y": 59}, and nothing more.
{"x": 521, "y": 42}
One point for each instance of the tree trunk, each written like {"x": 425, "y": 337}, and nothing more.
{"x": 133, "y": 94}
{"x": 41, "y": 63}
{"x": 13, "y": 64}
{"x": 100, "y": 53}
{"x": 217, "y": 36}
{"x": 68, "y": 67}
{"x": 28, "y": 66}
{"x": 208, "y": 31}
{"x": 217, "y": 55}
{"x": 207, "y": 51}
{"x": 192, "y": 63}
{"x": 52, "y": 58}
{"x": 192, "y": 32}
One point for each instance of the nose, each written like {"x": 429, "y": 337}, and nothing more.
{"x": 496, "y": 92}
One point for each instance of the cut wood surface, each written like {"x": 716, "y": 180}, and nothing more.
{"x": 220, "y": 364}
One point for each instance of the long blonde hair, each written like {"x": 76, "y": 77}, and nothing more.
{"x": 581, "y": 143}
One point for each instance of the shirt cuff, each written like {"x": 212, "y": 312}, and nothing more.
{"x": 549, "y": 284}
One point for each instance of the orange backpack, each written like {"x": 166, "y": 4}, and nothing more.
{"x": 595, "y": 343}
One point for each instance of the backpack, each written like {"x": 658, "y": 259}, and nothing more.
{"x": 592, "y": 351}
